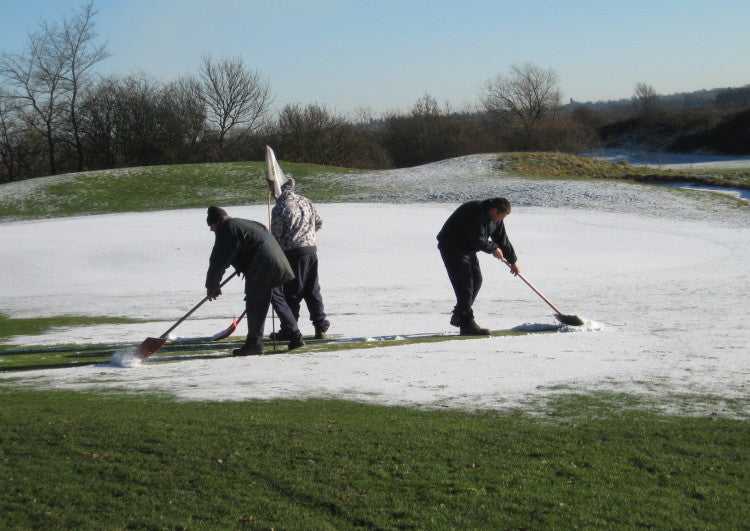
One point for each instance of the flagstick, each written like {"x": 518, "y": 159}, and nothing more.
{"x": 273, "y": 315}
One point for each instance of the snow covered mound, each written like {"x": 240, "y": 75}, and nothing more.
{"x": 480, "y": 176}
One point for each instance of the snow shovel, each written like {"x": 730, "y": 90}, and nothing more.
{"x": 230, "y": 329}
{"x": 152, "y": 344}
{"x": 572, "y": 320}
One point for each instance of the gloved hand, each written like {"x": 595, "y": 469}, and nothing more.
{"x": 213, "y": 294}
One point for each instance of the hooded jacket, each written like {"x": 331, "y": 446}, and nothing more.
{"x": 294, "y": 221}
{"x": 469, "y": 230}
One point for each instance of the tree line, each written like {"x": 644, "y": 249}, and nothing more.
{"x": 57, "y": 116}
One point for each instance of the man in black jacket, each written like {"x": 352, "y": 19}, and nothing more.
{"x": 252, "y": 250}
{"x": 474, "y": 226}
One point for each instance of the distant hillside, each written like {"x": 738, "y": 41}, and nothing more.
{"x": 715, "y": 121}
{"x": 730, "y": 136}
{"x": 720, "y": 98}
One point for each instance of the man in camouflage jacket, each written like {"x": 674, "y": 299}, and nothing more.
{"x": 294, "y": 222}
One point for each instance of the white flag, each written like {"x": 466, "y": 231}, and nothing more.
{"x": 274, "y": 175}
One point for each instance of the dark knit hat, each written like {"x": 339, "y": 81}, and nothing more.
{"x": 215, "y": 214}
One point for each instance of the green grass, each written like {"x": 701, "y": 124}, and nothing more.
{"x": 567, "y": 166}
{"x": 164, "y": 187}
{"x": 95, "y": 461}
{"x": 38, "y": 325}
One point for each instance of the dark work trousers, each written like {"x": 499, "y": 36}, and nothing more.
{"x": 305, "y": 286}
{"x": 466, "y": 279}
{"x": 257, "y": 305}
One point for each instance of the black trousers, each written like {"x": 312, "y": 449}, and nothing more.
{"x": 257, "y": 305}
{"x": 466, "y": 279}
{"x": 305, "y": 287}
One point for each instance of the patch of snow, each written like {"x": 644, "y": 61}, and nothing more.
{"x": 660, "y": 276}
{"x": 671, "y": 161}
{"x": 738, "y": 193}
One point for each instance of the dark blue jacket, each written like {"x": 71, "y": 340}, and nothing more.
{"x": 470, "y": 230}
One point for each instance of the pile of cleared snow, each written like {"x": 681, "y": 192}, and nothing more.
{"x": 126, "y": 358}
{"x": 587, "y": 326}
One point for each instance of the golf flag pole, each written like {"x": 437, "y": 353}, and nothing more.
{"x": 274, "y": 175}
{"x": 275, "y": 178}
{"x": 273, "y": 314}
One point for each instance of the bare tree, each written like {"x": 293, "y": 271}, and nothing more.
{"x": 9, "y": 134}
{"x": 36, "y": 77}
{"x": 235, "y": 97}
{"x": 363, "y": 118}
{"x": 47, "y": 76}
{"x": 75, "y": 42}
{"x": 427, "y": 105}
{"x": 527, "y": 95}
{"x": 646, "y": 101}
{"x": 189, "y": 112}
{"x": 98, "y": 116}
{"x": 428, "y": 133}
{"x": 312, "y": 134}
{"x": 140, "y": 120}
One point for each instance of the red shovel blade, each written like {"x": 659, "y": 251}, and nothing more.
{"x": 149, "y": 346}
{"x": 228, "y": 332}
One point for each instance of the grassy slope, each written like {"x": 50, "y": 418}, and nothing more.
{"x": 197, "y": 185}
{"x": 153, "y": 188}
{"x": 566, "y": 166}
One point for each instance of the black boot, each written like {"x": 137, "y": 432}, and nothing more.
{"x": 296, "y": 341}
{"x": 282, "y": 335}
{"x": 473, "y": 329}
{"x": 248, "y": 350}
{"x": 321, "y": 329}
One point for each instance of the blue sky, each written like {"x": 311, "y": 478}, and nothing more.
{"x": 383, "y": 55}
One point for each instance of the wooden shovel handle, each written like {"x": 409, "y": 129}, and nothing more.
{"x": 529, "y": 284}
{"x": 165, "y": 334}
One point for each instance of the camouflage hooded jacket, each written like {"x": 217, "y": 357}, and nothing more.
{"x": 294, "y": 221}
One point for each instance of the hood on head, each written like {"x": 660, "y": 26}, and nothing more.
{"x": 288, "y": 185}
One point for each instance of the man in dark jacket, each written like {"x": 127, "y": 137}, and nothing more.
{"x": 474, "y": 226}
{"x": 252, "y": 250}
